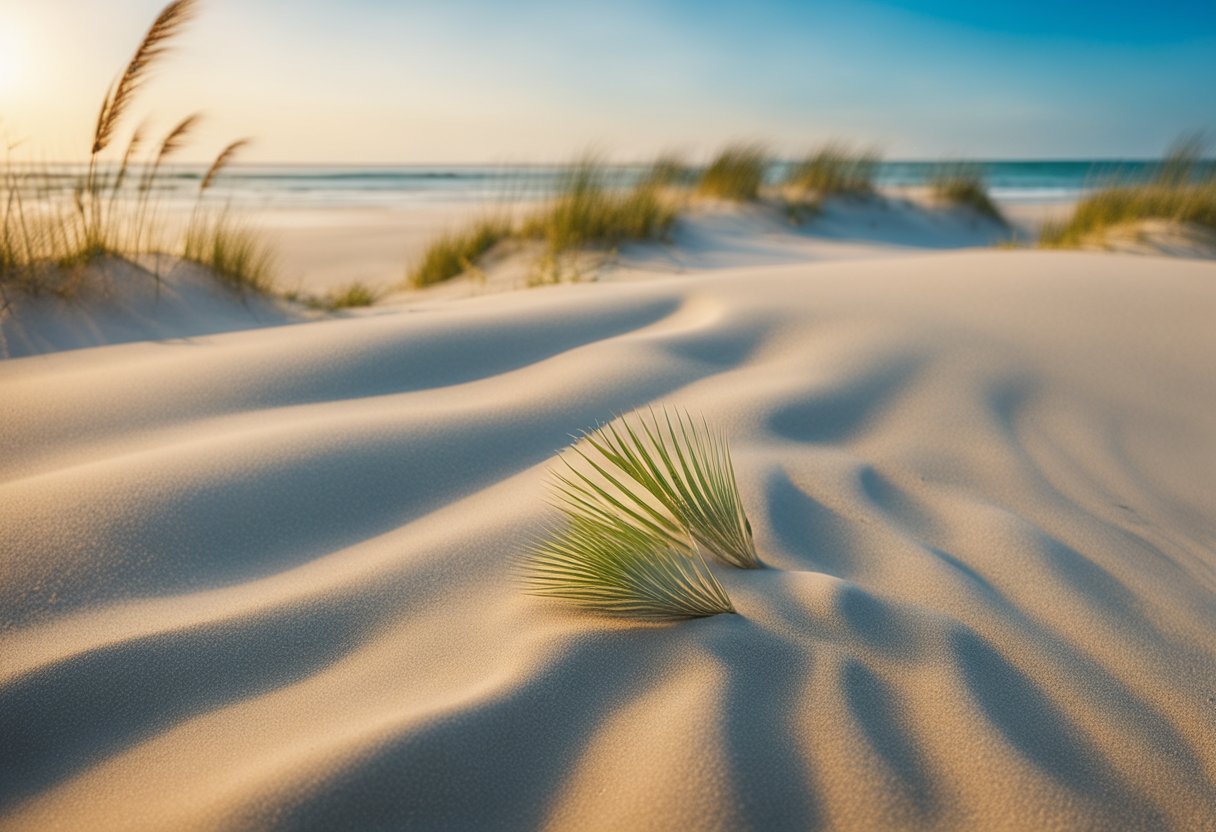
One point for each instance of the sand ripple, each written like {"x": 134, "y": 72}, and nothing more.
{"x": 260, "y": 579}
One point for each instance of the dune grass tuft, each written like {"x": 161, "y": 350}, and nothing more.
{"x": 669, "y": 474}
{"x": 235, "y": 254}
{"x": 456, "y": 252}
{"x": 585, "y": 211}
{"x": 351, "y": 296}
{"x": 736, "y": 173}
{"x": 1101, "y": 212}
{"x": 40, "y": 228}
{"x": 835, "y": 169}
{"x": 36, "y": 233}
{"x": 1183, "y": 190}
{"x": 963, "y": 184}
{"x": 669, "y": 170}
{"x": 112, "y": 209}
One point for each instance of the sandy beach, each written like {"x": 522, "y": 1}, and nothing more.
{"x": 260, "y": 576}
{"x": 325, "y": 248}
{"x": 660, "y": 417}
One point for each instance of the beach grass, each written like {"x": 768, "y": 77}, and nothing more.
{"x": 835, "y": 169}
{"x": 585, "y": 211}
{"x": 1182, "y": 190}
{"x": 736, "y": 173}
{"x": 963, "y": 184}
{"x": 112, "y": 209}
{"x": 670, "y": 170}
{"x": 455, "y": 252}
{"x": 36, "y": 233}
{"x": 95, "y": 197}
{"x": 353, "y": 295}
{"x": 238, "y": 256}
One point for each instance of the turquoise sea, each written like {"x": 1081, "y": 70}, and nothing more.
{"x": 278, "y": 186}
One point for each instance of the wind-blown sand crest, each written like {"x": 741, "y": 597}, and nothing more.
{"x": 262, "y": 579}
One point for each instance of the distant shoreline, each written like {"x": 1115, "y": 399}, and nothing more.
{"x": 415, "y": 186}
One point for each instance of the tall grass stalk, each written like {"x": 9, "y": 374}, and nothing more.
{"x": 36, "y": 231}
{"x": 173, "y": 141}
{"x": 237, "y": 255}
{"x": 118, "y": 99}
{"x": 112, "y": 209}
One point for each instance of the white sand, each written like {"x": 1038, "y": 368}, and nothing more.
{"x": 259, "y": 579}
{"x": 324, "y": 249}
{"x": 118, "y": 301}
{"x": 319, "y": 250}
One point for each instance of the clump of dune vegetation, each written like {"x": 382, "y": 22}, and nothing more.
{"x": 1183, "y": 190}
{"x": 112, "y": 210}
{"x": 585, "y": 211}
{"x": 669, "y": 170}
{"x": 640, "y": 504}
{"x": 41, "y": 231}
{"x": 101, "y": 226}
{"x": 835, "y": 169}
{"x": 455, "y": 252}
{"x": 33, "y": 238}
{"x": 963, "y": 184}
{"x": 234, "y": 253}
{"x": 736, "y": 173}
{"x": 353, "y": 295}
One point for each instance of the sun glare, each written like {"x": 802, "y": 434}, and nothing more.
{"x": 12, "y": 58}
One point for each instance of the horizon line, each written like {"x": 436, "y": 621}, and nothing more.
{"x": 568, "y": 162}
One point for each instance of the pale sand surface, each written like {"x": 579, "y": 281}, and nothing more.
{"x": 261, "y": 579}
{"x": 324, "y": 249}
{"x": 121, "y": 301}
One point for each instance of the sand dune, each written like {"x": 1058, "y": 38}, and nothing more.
{"x": 260, "y": 579}
{"x": 321, "y": 250}
{"x": 118, "y": 301}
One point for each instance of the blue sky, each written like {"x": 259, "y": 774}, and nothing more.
{"x": 470, "y": 80}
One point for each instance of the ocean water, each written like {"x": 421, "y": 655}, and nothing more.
{"x": 416, "y": 186}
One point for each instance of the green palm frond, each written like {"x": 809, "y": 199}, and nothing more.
{"x": 609, "y": 565}
{"x": 674, "y": 479}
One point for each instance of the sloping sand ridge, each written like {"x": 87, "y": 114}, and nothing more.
{"x": 261, "y": 578}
